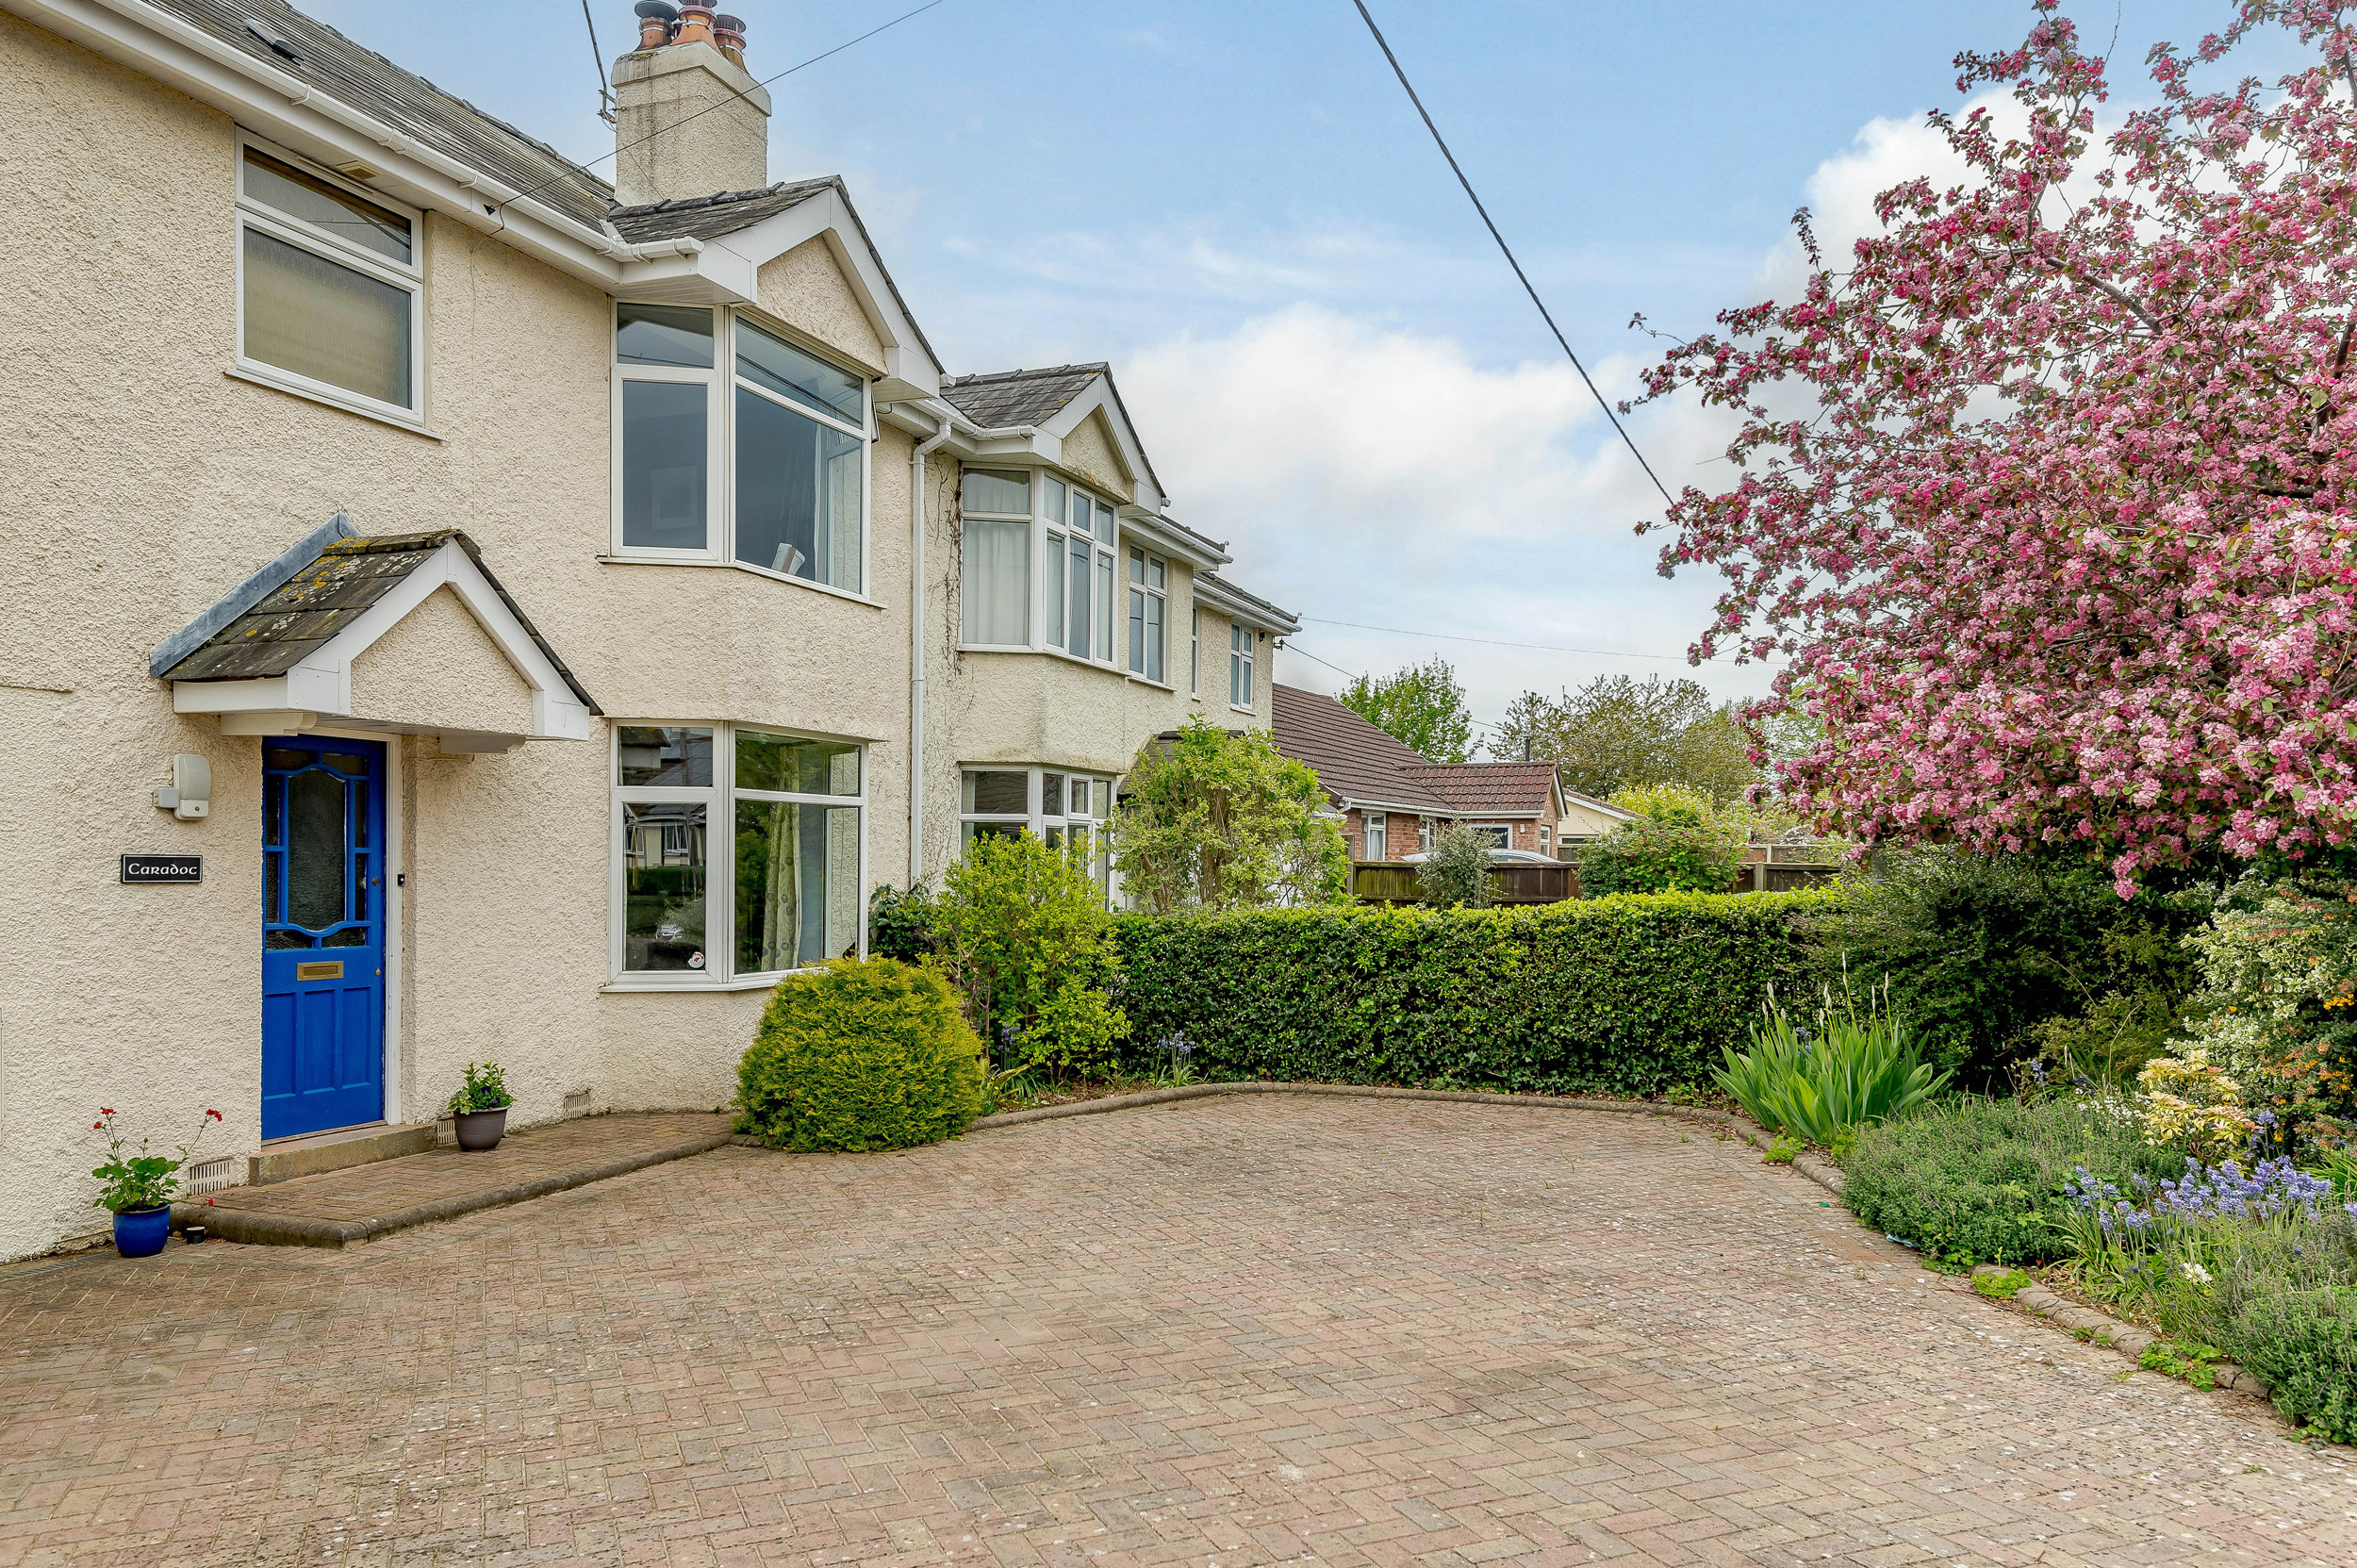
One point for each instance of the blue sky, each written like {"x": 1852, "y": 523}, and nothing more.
{"x": 1329, "y": 364}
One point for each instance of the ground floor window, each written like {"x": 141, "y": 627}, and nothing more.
{"x": 1496, "y": 835}
{"x": 1060, "y": 807}
{"x": 738, "y": 850}
{"x": 1371, "y": 834}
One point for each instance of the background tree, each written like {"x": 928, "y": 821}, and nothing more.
{"x": 1677, "y": 841}
{"x": 1421, "y": 706}
{"x": 1458, "y": 869}
{"x": 1213, "y": 820}
{"x": 1615, "y": 733}
{"x": 2051, "y": 497}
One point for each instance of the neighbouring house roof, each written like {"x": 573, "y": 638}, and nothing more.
{"x": 722, "y": 212}
{"x": 1353, "y": 759}
{"x": 276, "y": 625}
{"x": 1000, "y": 399}
{"x": 318, "y": 55}
{"x": 1574, "y": 798}
{"x": 1492, "y": 788}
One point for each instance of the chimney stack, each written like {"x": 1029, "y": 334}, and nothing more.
{"x": 688, "y": 118}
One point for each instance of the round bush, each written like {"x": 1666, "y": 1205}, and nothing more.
{"x": 861, "y": 1054}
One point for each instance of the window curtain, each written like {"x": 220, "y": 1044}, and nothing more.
{"x": 768, "y": 885}
{"x": 997, "y": 573}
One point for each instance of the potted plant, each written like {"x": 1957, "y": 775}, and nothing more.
{"x": 138, "y": 1188}
{"x": 480, "y": 1106}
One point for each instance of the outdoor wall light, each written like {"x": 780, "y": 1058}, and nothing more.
{"x": 189, "y": 797}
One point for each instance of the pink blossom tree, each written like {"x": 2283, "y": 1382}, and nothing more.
{"x": 2056, "y": 534}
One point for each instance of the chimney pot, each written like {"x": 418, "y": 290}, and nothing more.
{"x": 729, "y": 33}
{"x": 695, "y": 24}
{"x": 655, "y": 18}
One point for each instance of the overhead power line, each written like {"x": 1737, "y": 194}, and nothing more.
{"x": 766, "y": 81}
{"x": 1509, "y": 252}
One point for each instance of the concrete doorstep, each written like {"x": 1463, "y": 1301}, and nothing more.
{"x": 337, "y": 1207}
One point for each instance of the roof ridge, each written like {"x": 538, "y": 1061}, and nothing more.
{"x": 1094, "y": 368}
{"x": 691, "y": 203}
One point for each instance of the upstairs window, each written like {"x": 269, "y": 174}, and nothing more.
{"x": 1004, "y": 511}
{"x": 773, "y": 478}
{"x": 1240, "y": 668}
{"x": 1150, "y": 612}
{"x": 328, "y": 288}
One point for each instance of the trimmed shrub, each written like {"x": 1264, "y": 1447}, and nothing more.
{"x": 1629, "y": 996}
{"x": 1981, "y": 1181}
{"x": 861, "y": 1054}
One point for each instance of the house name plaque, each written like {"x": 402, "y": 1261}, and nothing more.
{"x": 165, "y": 870}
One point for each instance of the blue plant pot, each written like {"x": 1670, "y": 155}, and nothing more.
{"x": 141, "y": 1232}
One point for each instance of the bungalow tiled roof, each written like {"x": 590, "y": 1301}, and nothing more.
{"x": 1490, "y": 789}
{"x": 1353, "y": 759}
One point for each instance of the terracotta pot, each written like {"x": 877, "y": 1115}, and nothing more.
{"x": 481, "y": 1129}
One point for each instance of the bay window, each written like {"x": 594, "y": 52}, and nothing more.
{"x": 1002, "y": 512}
{"x": 737, "y": 852}
{"x": 1061, "y": 808}
{"x": 1148, "y": 612}
{"x": 1239, "y": 667}
{"x": 329, "y": 286}
{"x": 736, "y": 445}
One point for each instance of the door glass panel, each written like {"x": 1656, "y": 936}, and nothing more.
{"x": 273, "y": 806}
{"x": 344, "y": 762}
{"x": 271, "y": 867}
{"x": 315, "y": 848}
{"x": 359, "y": 813}
{"x": 351, "y": 936}
{"x": 360, "y": 887}
{"x": 286, "y": 939}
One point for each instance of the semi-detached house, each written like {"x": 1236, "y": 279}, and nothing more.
{"x": 463, "y": 610}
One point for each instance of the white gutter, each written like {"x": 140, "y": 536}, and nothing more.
{"x": 74, "y": 23}
{"x": 917, "y": 639}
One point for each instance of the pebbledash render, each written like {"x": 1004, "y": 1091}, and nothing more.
{"x": 460, "y": 610}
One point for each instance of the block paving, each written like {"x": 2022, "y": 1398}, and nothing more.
{"x": 1234, "y": 1330}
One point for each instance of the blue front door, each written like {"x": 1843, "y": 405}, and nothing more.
{"x": 322, "y": 935}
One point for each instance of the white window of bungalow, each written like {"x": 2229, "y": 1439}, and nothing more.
{"x": 739, "y": 854}
{"x": 1373, "y": 826}
{"x": 330, "y": 288}
{"x": 763, "y": 466}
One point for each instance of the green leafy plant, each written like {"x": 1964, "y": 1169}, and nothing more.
{"x": 900, "y": 924}
{"x": 861, "y": 1054}
{"x": 1986, "y": 1180}
{"x": 1210, "y": 821}
{"x": 1025, "y": 936}
{"x": 1684, "y": 850}
{"x": 1784, "y": 1150}
{"x": 2001, "y": 1287}
{"x": 2195, "y": 1363}
{"x": 1822, "y": 1083}
{"x": 130, "y": 1181}
{"x": 482, "y": 1088}
{"x": 1456, "y": 874}
{"x": 1626, "y": 996}
{"x": 1422, "y": 706}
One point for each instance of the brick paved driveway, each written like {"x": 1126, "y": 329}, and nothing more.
{"x": 1229, "y": 1331}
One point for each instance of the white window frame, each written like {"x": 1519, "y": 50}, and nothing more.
{"x": 1375, "y": 834}
{"x": 719, "y": 799}
{"x": 1195, "y": 652}
{"x": 1498, "y": 836}
{"x": 1424, "y": 832}
{"x": 254, "y": 213}
{"x": 721, "y": 384}
{"x": 1107, "y": 648}
{"x": 1240, "y": 641}
{"x": 1142, "y": 596}
{"x": 1035, "y": 818}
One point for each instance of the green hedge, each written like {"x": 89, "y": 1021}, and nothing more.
{"x": 1629, "y": 995}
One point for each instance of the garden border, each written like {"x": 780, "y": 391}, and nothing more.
{"x": 2035, "y": 1299}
